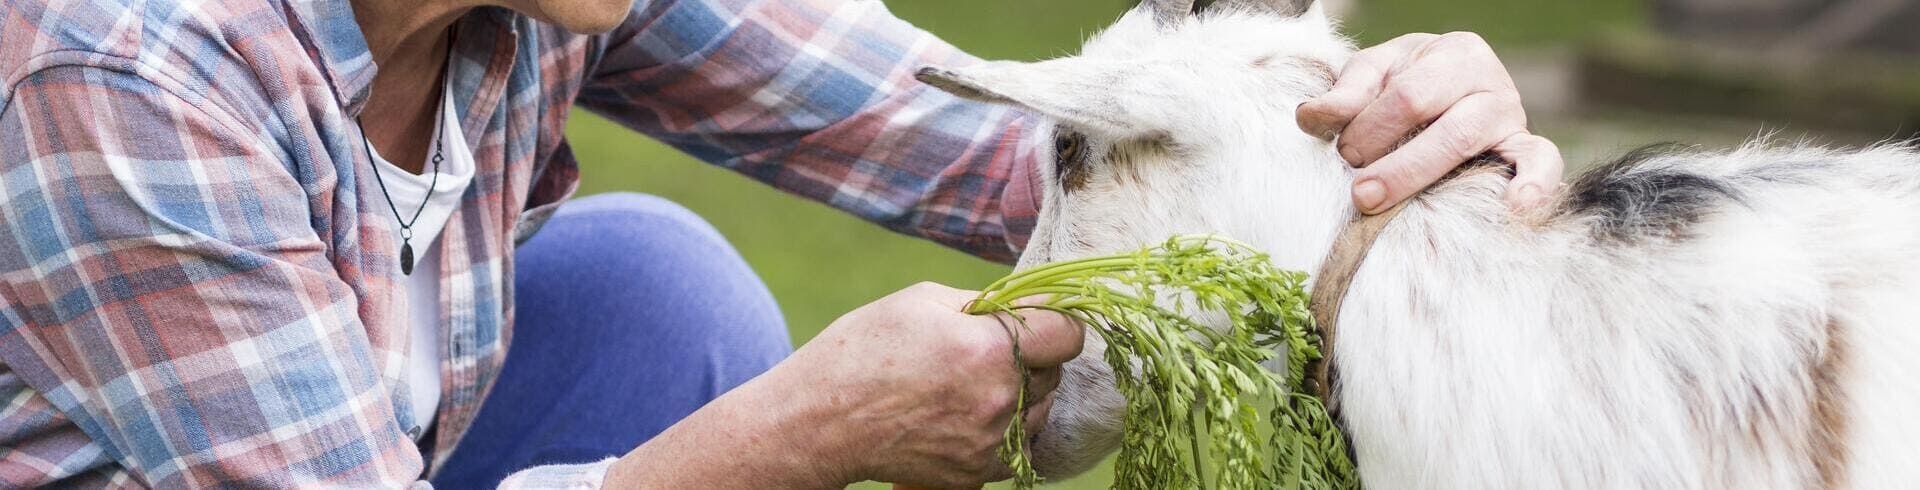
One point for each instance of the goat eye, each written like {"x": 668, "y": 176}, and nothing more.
{"x": 1066, "y": 147}
{"x": 1068, "y": 156}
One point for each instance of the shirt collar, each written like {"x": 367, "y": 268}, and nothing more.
{"x": 333, "y": 38}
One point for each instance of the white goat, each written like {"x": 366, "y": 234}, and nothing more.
{"x": 1678, "y": 319}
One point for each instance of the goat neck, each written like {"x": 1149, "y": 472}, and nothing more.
{"x": 1343, "y": 261}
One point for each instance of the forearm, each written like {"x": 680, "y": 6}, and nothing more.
{"x": 763, "y": 434}
{"x": 840, "y": 122}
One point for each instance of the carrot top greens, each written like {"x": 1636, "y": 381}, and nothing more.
{"x": 1201, "y": 410}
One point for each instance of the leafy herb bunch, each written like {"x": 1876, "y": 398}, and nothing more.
{"x": 1201, "y": 410}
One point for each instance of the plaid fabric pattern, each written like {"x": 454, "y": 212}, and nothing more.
{"x": 197, "y": 284}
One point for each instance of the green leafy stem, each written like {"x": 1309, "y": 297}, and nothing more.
{"x": 1202, "y": 410}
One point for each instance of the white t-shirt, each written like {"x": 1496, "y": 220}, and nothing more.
{"x": 423, "y": 287}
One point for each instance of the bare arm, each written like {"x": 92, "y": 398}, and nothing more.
{"x": 756, "y": 435}
{"x": 816, "y": 97}
{"x": 907, "y": 389}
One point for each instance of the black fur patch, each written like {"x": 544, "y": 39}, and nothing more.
{"x": 1285, "y": 8}
{"x": 1636, "y": 201}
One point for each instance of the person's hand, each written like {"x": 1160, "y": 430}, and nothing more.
{"x": 907, "y": 389}
{"x": 1454, "y": 87}
{"x": 922, "y": 392}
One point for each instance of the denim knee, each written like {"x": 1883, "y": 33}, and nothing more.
{"x": 632, "y": 314}
{"x": 657, "y": 274}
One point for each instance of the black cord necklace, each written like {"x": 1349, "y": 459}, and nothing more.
{"x": 406, "y": 225}
{"x": 439, "y": 136}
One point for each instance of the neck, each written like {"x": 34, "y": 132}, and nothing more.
{"x": 407, "y": 33}
{"x": 1449, "y": 209}
{"x": 1330, "y": 290}
{"x": 409, "y": 42}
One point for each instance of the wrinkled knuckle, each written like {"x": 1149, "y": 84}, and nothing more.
{"x": 992, "y": 405}
{"x": 925, "y": 287}
{"x": 1403, "y": 177}
{"x": 1410, "y": 100}
{"x": 1421, "y": 37}
{"x": 1459, "y": 144}
{"x": 1505, "y": 100}
{"x": 974, "y": 458}
{"x": 1540, "y": 143}
{"x": 1505, "y": 108}
{"x": 1350, "y": 153}
{"x": 1405, "y": 99}
{"x": 974, "y": 352}
{"x": 1470, "y": 121}
{"x": 1463, "y": 40}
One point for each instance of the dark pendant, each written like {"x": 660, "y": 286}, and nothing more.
{"x": 406, "y": 258}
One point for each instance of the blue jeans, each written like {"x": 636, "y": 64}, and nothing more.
{"x": 633, "y": 313}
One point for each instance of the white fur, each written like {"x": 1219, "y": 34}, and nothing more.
{"x": 1483, "y": 349}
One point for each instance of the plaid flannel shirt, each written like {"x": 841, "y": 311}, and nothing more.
{"x": 197, "y": 284}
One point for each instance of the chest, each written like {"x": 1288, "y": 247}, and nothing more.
{"x": 508, "y": 107}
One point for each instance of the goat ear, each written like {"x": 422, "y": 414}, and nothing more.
{"x": 1292, "y": 8}
{"x": 1168, "y": 12}
{"x": 1101, "y": 96}
{"x": 959, "y": 84}
{"x": 1283, "y": 8}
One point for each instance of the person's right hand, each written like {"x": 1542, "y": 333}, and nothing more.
{"x": 921, "y": 392}
{"x": 908, "y": 390}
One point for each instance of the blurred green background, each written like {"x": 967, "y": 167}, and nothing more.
{"x": 820, "y": 263}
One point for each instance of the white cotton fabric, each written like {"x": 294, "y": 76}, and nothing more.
{"x": 423, "y": 287}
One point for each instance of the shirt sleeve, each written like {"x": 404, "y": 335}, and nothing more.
{"x": 817, "y": 97}
{"x": 166, "y": 292}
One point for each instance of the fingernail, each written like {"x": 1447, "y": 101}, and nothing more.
{"x": 1307, "y": 123}
{"x": 1369, "y": 194}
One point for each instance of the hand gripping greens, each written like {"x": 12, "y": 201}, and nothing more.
{"x": 1201, "y": 410}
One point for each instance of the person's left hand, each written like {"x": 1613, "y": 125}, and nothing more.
{"x": 1454, "y": 86}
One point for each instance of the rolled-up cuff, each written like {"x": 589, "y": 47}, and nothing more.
{"x": 559, "y": 476}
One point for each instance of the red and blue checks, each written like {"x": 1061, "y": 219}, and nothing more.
{"x": 197, "y": 287}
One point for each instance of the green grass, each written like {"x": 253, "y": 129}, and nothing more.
{"x": 821, "y": 263}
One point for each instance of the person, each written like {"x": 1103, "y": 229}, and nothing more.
{"x": 286, "y": 243}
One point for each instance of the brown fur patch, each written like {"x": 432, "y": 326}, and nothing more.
{"x": 1321, "y": 71}
{"x": 1829, "y": 432}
